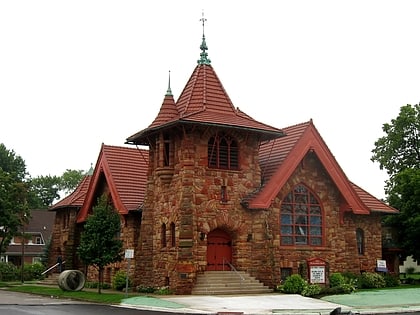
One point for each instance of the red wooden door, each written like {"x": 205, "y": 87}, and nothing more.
{"x": 219, "y": 250}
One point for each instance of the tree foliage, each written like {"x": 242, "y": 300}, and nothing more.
{"x": 99, "y": 244}
{"x": 399, "y": 149}
{"x": 398, "y": 152}
{"x": 14, "y": 209}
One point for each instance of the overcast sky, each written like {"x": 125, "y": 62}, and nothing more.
{"x": 76, "y": 74}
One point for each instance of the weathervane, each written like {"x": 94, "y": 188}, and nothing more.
{"x": 203, "y": 55}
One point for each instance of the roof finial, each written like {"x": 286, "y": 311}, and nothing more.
{"x": 203, "y": 55}
{"x": 169, "y": 91}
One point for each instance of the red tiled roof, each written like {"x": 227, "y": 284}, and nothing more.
{"x": 76, "y": 198}
{"x": 205, "y": 101}
{"x": 373, "y": 203}
{"x": 168, "y": 112}
{"x": 125, "y": 171}
{"x": 280, "y": 157}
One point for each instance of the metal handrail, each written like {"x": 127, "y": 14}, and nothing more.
{"x": 232, "y": 268}
{"x": 52, "y": 267}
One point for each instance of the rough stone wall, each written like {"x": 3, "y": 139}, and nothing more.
{"x": 63, "y": 238}
{"x": 191, "y": 200}
{"x": 339, "y": 249}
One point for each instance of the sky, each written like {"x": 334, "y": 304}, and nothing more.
{"x": 76, "y": 74}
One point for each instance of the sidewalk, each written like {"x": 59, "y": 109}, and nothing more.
{"x": 372, "y": 302}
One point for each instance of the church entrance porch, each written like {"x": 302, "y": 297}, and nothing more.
{"x": 219, "y": 250}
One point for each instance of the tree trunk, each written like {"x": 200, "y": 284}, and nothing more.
{"x": 101, "y": 279}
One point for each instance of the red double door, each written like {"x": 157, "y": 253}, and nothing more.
{"x": 219, "y": 250}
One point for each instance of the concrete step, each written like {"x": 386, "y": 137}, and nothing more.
{"x": 228, "y": 282}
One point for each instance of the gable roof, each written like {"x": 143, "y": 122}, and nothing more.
{"x": 125, "y": 171}
{"x": 76, "y": 198}
{"x": 280, "y": 157}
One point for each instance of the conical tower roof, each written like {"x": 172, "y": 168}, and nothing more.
{"x": 204, "y": 101}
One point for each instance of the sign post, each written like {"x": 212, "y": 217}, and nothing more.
{"x": 129, "y": 253}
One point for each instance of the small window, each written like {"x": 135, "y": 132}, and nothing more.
{"x": 360, "y": 239}
{"x": 301, "y": 218}
{"x": 223, "y": 152}
{"x": 38, "y": 240}
{"x": 173, "y": 243}
{"x": 163, "y": 235}
{"x": 285, "y": 272}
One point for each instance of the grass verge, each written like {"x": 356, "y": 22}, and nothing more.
{"x": 84, "y": 295}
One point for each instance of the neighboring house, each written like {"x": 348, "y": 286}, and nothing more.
{"x": 37, "y": 233}
{"x": 217, "y": 188}
{"x": 410, "y": 265}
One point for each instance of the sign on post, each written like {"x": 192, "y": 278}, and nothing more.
{"x": 129, "y": 253}
{"x": 316, "y": 270}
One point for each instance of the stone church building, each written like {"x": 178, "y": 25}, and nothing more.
{"x": 217, "y": 190}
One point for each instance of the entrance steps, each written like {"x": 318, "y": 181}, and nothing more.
{"x": 228, "y": 282}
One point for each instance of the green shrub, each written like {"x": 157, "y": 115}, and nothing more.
{"x": 163, "y": 291}
{"x": 145, "y": 289}
{"x": 370, "y": 280}
{"x": 391, "y": 280}
{"x": 294, "y": 284}
{"x": 311, "y": 290}
{"x": 8, "y": 272}
{"x": 337, "y": 279}
{"x": 410, "y": 270}
{"x": 119, "y": 280}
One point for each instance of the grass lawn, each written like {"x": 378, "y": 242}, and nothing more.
{"x": 105, "y": 297}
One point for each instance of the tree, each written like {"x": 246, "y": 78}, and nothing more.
{"x": 14, "y": 211}
{"x": 99, "y": 242}
{"x": 399, "y": 154}
{"x": 46, "y": 189}
{"x": 70, "y": 179}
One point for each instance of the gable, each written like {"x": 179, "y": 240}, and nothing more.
{"x": 280, "y": 157}
{"x": 124, "y": 171}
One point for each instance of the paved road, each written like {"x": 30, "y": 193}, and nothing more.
{"x": 14, "y": 303}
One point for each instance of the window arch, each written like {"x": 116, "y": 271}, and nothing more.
{"x": 301, "y": 218}
{"x": 223, "y": 152}
{"x": 360, "y": 240}
{"x": 163, "y": 235}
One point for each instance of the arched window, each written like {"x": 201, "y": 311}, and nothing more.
{"x": 301, "y": 218}
{"x": 163, "y": 235}
{"x": 223, "y": 152}
{"x": 360, "y": 240}
{"x": 173, "y": 243}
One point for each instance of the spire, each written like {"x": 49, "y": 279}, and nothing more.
{"x": 203, "y": 55}
{"x": 169, "y": 91}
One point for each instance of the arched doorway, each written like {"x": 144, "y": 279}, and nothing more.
{"x": 219, "y": 250}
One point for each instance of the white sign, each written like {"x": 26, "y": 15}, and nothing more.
{"x": 129, "y": 253}
{"x": 317, "y": 274}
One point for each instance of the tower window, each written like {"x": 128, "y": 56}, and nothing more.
{"x": 163, "y": 235}
{"x": 173, "y": 243}
{"x": 360, "y": 240}
{"x": 301, "y": 218}
{"x": 223, "y": 152}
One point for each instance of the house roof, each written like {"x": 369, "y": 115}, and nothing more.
{"x": 76, "y": 198}
{"x": 125, "y": 172}
{"x": 40, "y": 224}
{"x": 280, "y": 157}
{"x": 203, "y": 101}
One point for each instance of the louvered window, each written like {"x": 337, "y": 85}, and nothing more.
{"x": 301, "y": 218}
{"x": 223, "y": 152}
